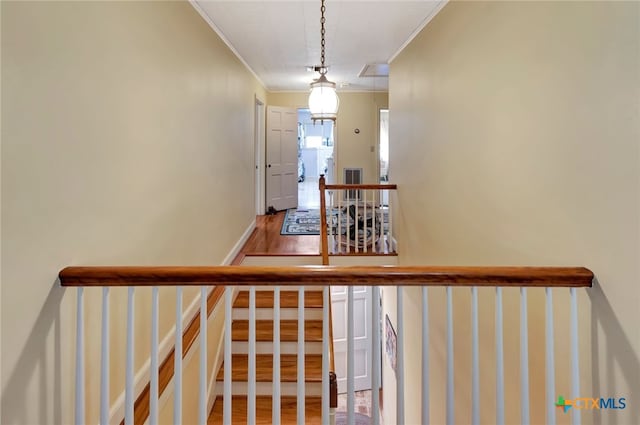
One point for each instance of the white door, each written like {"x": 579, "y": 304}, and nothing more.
{"x": 362, "y": 335}
{"x": 282, "y": 157}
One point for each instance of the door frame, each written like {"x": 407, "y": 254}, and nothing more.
{"x": 259, "y": 147}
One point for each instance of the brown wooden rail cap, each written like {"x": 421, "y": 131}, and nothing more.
{"x": 328, "y": 275}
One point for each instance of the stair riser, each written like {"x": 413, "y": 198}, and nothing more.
{"x": 266, "y": 388}
{"x": 240, "y": 347}
{"x": 285, "y": 314}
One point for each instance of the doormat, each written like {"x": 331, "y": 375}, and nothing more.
{"x": 307, "y": 222}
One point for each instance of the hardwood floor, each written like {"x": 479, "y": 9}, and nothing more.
{"x": 267, "y": 240}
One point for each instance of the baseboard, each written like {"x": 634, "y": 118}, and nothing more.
{"x": 238, "y": 246}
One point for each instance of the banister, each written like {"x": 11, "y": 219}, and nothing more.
{"x": 334, "y": 275}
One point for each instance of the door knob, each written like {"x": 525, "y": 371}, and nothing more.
{"x": 269, "y": 165}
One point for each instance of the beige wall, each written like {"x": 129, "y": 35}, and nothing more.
{"x": 127, "y": 128}
{"x": 515, "y": 140}
{"x": 357, "y": 110}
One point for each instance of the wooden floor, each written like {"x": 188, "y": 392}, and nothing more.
{"x": 267, "y": 240}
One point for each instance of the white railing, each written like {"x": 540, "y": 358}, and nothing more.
{"x": 359, "y": 218}
{"x": 239, "y": 278}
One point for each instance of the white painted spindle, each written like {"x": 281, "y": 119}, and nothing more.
{"x": 499, "y": 360}
{"x": 301, "y": 374}
{"x": 391, "y": 246}
{"x": 550, "y": 360}
{"x": 400, "y": 357}
{"x": 524, "y": 359}
{"x": 475, "y": 359}
{"x": 129, "y": 396}
{"x": 80, "y": 387}
{"x": 575, "y": 370}
{"x": 251, "y": 393}
{"x": 450, "y": 400}
{"x": 364, "y": 214}
{"x": 177, "y": 361}
{"x": 202, "y": 400}
{"x": 226, "y": 408}
{"x": 340, "y": 215}
{"x": 425, "y": 356}
{"x": 351, "y": 393}
{"x": 357, "y": 233}
{"x": 104, "y": 360}
{"x": 153, "y": 384}
{"x": 325, "y": 356}
{"x": 375, "y": 355}
{"x": 275, "y": 409}
{"x": 349, "y": 221}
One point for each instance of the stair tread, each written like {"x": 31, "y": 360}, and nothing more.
{"x": 288, "y": 299}
{"x": 264, "y": 368}
{"x": 288, "y": 330}
{"x": 288, "y": 406}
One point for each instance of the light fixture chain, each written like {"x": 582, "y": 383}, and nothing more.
{"x": 322, "y": 32}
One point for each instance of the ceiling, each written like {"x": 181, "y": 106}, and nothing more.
{"x": 277, "y": 40}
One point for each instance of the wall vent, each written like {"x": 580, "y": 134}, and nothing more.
{"x": 353, "y": 176}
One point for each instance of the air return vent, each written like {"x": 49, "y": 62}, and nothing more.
{"x": 352, "y": 176}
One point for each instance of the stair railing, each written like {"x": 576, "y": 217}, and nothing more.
{"x": 356, "y": 219}
{"x": 227, "y": 277}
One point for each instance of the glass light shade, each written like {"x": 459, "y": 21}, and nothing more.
{"x": 323, "y": 100}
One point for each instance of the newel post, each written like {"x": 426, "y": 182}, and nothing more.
{"x": 324, "y": 246}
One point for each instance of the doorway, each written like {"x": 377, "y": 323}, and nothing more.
{"x": 315, "y": 156}
{"x": 383, "y": 153}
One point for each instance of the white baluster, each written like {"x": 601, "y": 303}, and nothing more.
{"x": 226, "y": 408}
{"x": 202, "y": 400}
{"x": 325, "y": 355}
{"x": 382, "y": 247}
{"x": 351, "y": 394}
{"x": 400, "y": 357}
{"x": 349, "y": 220}
{"x": 80, "y": 387}
{"x": 374, "y": 246}
{"x": 276, "y": 357}
{"x": 375, "y": 355}
{"x": 551, "y": 410}
{"x": 332, "y": 236}
{"x": 391, "y": 247}
{"x": 450, "y": 400}
{"x": 475, "y": 359}
{"x": 425, "y": 356}
{"x": 301, "y": 374}
{"x": 128, "y": 392}
{"x": 364, "y": 215}
{"x": 357, "y": 234}
{"x": 524, "y": 359}
{"x": 575, "y": 370}
{"x": 340, "y": 215}
{"x": 251, "y": 394}
{"x": 153, "y": 386}
{"x": 177, "y": 361}
{"x": 104, "y": 361}
{"x": 499, "y": 360}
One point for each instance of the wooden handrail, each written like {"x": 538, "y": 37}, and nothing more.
{"x": 360, "y": 186}
{"x": 327, "y": 275}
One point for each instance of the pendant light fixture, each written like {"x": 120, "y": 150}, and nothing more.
{"x": 323, "y": 100}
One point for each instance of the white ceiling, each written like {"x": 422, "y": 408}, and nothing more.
{"x": 278, "y": 39}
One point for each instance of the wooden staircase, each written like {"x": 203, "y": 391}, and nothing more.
{"x": 264, "y": 357}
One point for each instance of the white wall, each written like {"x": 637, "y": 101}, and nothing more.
{"x": 515, "y": 139}
{"x": 127, "y": 129}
